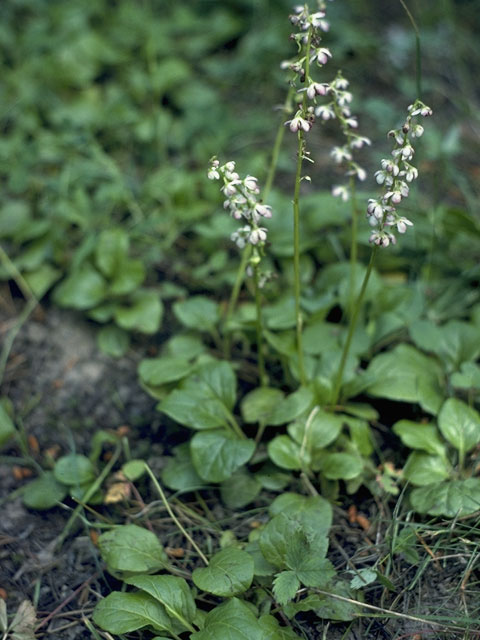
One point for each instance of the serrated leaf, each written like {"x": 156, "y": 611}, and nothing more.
{"x": 74, "y": 469}
{"x": 423, "y": 468}
{"x": 419, "y": 436}
{"x": 197, "y": 312}
{"x": 450, "y": 499}
{"x": 132, "y": 549}
{"x": 232, "y": 620}
{"x": 362, "y": 578}
{"x": 273, "y": 631}
{"x": 125, "y": 612}
{"x": 172, "y": 592}
{"x": 44, "y": 492}
{"x": 459, "y": 424}
{"x": 258, "y": 405}
{"x": 313, "y": 512}
{"x": 276, "y": 537}
{"x": 217, "y": 454}
{"x": 285, "y": 586}
{"x": 229, "y": 573}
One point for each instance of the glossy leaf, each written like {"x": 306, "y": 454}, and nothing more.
{"x": 232, "y": 620}
{"x": 125, "y": 612}
{"x": 239, "y": 489}
{"x": 217, "y": 454}
{"x": 230, "y": 572}
{"x": 341, "y": 466}
{"x": 83, "y": 289}
{"x": 44, "y": 493}
{"x": 450, "y": 499}
{"x": 291, "y": 407}
{"x": 132, "y": 549}
{"x": 172, "y": 592}
{"x": 144, "y": 312}
{"x": 259, "y": 404}
{"x": 197, "y": 312}
{"x": 159, "y": 371}
{"x": 74, "y": 469}
{"x": 422, "y": 468}
{"x": 419, "y": 436}
{"x": 459, "y": 424}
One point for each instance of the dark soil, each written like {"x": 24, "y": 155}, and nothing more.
{"x": 63, "y": 390}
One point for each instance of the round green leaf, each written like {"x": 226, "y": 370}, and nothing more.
{"x": 111, "y": 250}
{"x": 291, "y": 407}
{"x": 229, "y": 572}
{"x": 131, "y": 548}
{"x": 240, "y": 489}
{"x": 128, "y": 276}
{"x": 323, "y": 429}
{"x": 285, "y": 453}
{"x": 197, "y": 312}
{"x": 158, "y": 371}
{"x": 74, "y": 469}
{"x": 422, "y": 469}
{"x": 341, "y": 466}
{"x": 144, "y": 313}
{"x": 83, "y": 289}
{"x": 179, "y": 473}
{"x": 133, "y": 469}
{"x": 459, "y": 424}
{"x": 44, "y": 492}
{"x": 173, "y": 593}
{"x": 113, "y": 341}
{"x": 217, "y": 454}
{"x": 259, "y": 404}
{"x": 232, "y": 620}
{"x": 451, "y": 499}
{"x": 419, "y": 436}
{"x": 126, "y": 612}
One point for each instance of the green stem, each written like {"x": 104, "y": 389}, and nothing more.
{"x": 296, "y": 257}
{"x": 418, "y": 53}
{"x": 351, "y": 329}
{"x": 287, "y": 107}
{"x": 353, "y": 245}
{"x": 258, "y": 323}
{"x": 232, "y": 303}
{"x": 163, "y": 497}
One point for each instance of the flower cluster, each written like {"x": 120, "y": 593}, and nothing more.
{"x": 339, "y": 108}
{"x": 242, "y": 203}
{"x": 395, "y": 175}
{"x": 308, "y": 40}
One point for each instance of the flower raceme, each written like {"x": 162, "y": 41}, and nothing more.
{"x": 242, "y": 203}
{"x": 310, "y": 50}
{"x": 395, "y": 175}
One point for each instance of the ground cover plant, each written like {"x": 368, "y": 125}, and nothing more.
{"x": 309, "y": 337}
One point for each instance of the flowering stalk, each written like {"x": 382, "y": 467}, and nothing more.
{"x": 395, "y": 175}
{"x": 243, "y": 204}
{"x": 308, "y": 41}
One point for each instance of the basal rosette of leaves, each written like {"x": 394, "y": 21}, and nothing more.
{"x": 443, "y": 466}
{"x": 288, "y": 553}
